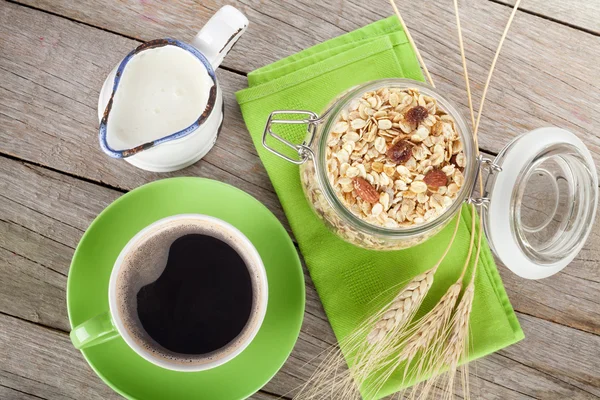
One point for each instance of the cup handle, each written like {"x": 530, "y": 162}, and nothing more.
{"x": 220, "y": 34}
{"x": 94, "y": 331}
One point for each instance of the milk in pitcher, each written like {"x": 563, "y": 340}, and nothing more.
{"x": 162, "y": 91}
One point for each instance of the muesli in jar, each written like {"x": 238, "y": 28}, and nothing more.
{"x": 389, "y": 163}
{"x": 395, "y": 158}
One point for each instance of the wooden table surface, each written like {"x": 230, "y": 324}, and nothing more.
{"x": 54, "y": 179}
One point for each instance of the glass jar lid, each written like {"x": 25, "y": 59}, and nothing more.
{"x": 540, "y": 200}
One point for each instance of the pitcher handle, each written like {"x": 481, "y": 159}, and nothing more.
{"x": 220, "y": 33}
{"x": 94, "y": 331}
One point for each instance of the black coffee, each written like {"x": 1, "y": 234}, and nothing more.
{"x": 202, "y": 300}
{"x": 190, "y": 292}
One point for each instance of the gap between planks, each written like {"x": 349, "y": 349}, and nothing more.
{"x": 499, "y": 2}
{"x": 504, "y": 352}
{"x": 235, "y": 71}
{"x": 548, "y": 18}
{"x": 122, "y": 191}
{"x": 267, "y": 395}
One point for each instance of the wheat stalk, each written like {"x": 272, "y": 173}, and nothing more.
{"x": 440, "y": 349}
{"x": 431, "y": 325}
{"x": 493, "y": 67}
{"x": 434, "y": 323}
{"x": 373, "y": 344}
{"x": 419, "y": 353}
{"x": 429, "y": 334}
{"x": 460, "y": 327}
{"x": 389, "y": 339}
{"x": 461, "y": 45}
{"x": 412, "y": 43}
{"x": 458, "y": 339}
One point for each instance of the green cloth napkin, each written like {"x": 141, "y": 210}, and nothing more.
{"x": 349, "y": 278}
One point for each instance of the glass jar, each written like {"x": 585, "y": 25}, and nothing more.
{"x": 545, "y": 169}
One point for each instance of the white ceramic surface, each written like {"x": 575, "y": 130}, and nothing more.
{"x": 214, "y": 41}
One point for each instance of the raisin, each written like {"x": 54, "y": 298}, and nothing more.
{"x": 401, "y": 152}
{"x": 416, "y": 115}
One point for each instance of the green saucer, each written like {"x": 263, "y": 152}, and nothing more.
{"x": 87, "y": 290}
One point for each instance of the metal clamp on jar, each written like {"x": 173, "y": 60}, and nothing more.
{"x": 538, "y": 205}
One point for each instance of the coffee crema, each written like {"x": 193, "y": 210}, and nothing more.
{"x": 188, "y": 292}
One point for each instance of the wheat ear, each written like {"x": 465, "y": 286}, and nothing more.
{"x": 368, "y": 357}
{"x": 428, "y": 335}
{"x": 456, "y": 349}
{"x": 402, "y": 307}
{"x": 417, "y": 353}
{"x": 431, "y": 325}
{"x": 460, "y": 327}
{"x": 440, "y": 348}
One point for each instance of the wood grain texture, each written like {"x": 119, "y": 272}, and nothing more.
{"x": 47, "y": 106}
{"x": 38, "y": 235}
{"x": 567, "y": 354}
{"x": 580, "y": 14}
{"x": 51, "y": 70}
{"x": 73, "y": 149}
{"x": 547, "y": 74}
{"x": 35, "y": 356}
{"x": 8, "y": 393}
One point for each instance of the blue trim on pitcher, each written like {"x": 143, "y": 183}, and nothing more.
{"x": 173, "y": 136}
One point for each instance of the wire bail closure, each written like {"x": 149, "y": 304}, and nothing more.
{"x": 303, "y": 150}
{"x": 492, "y": 168}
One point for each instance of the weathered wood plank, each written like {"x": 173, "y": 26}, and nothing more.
{"x": 148, "y": 20}
{"x": 562, "y": 298}
{"x": 12, "y": 394}
{"x": 34, "y": 352}
{"x": 35, "y": 128}
{"x": 264, "y": 396}
{"x": 532, "y": 85}
{"x": 580, "y": 14}
{"x": 32, "y": 291}
{"x": 571, "y": 356}
{"x": 32, "y": 358}
{"x": 42, "y": 247}
{"x": 44, "y": 213}
{"x": 59, "y": 217}
{"x": 524, "y": 382}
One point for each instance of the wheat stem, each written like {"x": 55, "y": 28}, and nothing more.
{"x": 412, "y": 43}
{"x": 464, "y": 64}
{"x": 493, "y": 66}
{"x": 401, "y": 310}
{"x": 458, "y": 341}
{"x": 392, "y": 341}
{"x": 464, "y": 270}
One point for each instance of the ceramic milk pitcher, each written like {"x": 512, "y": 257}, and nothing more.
{"x": 161, "y": 108}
